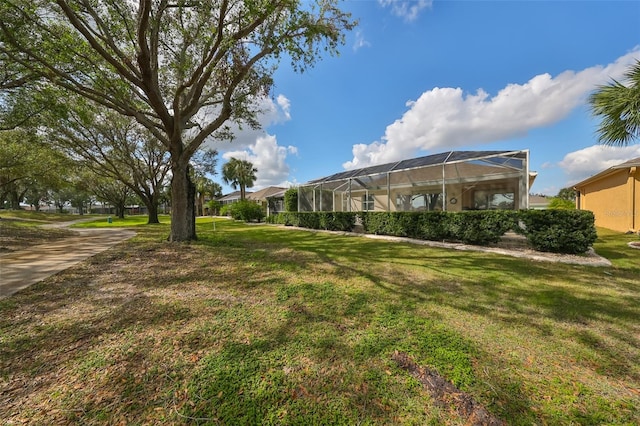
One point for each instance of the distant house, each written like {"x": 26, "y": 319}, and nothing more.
{"x": 613, "y": 196}
{"x": 539, "y": 202}
{"x": 272, "y": 198}
{"x": 450, "y": 181}
{"x": 231, "y": 198}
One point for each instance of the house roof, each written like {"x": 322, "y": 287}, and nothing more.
{"x": 232, "y": 196}
{"x": 264, "y": 193}
{"x": 539, "y": 199}
{"x": 635, "y": 162}
{"x": 498, "y": 158}
{"x": 277, "y": 194}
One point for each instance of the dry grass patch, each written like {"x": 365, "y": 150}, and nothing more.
{"x": 254, "y": 324}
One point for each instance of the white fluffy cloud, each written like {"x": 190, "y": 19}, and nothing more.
{"x": 271, "y": 112}
{"x": 406, "y": 9}
{"x": 269, "y": 158}
{"x": 446, "y": 118}
{"x": 581, "y": 164}
{"x": 258, "y": 146}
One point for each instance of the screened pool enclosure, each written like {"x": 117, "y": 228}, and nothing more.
{"x": 450, "y": 181}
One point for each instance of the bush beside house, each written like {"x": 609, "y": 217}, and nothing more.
{"x": 560, "y": 231}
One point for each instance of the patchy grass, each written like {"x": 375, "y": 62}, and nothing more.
{"x": 260, "y": 324}
{"x": 44, "y": 217}
{"x": 613, "y": 246}
{"x": 116, "y": 222}
{"x": 19, "y": 234}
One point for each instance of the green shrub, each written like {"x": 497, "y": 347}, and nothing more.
{"x": 337, "y": 221}
{"x": 246, "y": 211}
{"x": 376, "y": 223}
{"x": 434, "y": 226}
{"x": 214, "y": 207}
{"x": 291, "y": 219}
{"x": 224, "y": 210}
{"x": 404, "y": 224}
{"x": 560, "y": 203}
{"x": 331, "y": 221}
{"x": 274, "y": 219}
{"x": 561, "y": 231}
{"x": 398, "y": 224}
{"x": 309, "y": 220}
{"x": 291, "y": 200}
{"x": 481, "y": 227}
{"x": 558, "y": 231}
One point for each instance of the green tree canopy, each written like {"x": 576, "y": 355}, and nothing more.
{"x": 568, "y": 194}
{"x": 182, "y": 69}
{"x": 28, "y": 166}
{"x": 114, "y": 146}
{"x": 618, "y": 105}
{"x": 239, "y": 174}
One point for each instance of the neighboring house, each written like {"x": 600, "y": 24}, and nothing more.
{"x": 275, "y": 202}
{"x": 538, "y": 202}
{"x": 451, "y": 181}
{"x": 272, "y": 198}
{"x": 613, "y": 196}
{"x": 234, "y": 197}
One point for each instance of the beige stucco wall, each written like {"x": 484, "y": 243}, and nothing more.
{"x": 614, "y": 200}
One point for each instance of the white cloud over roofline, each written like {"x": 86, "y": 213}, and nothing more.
{"x": 581, "y": 164}
{"x": 446, "y": 118}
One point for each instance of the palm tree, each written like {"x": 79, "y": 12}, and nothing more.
{"x": 239, "y": 173}
{"x": 619, "y": 106}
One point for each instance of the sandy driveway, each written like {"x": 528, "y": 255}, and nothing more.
{"x": 23, "y": 268}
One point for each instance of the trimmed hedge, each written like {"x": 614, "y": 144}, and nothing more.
{"x": 559, "y": 231}
{"x": 330, "y": 221}
{"x": 420, "y": 225}
{"x": 481, "y": 227}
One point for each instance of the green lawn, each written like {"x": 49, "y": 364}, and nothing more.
{"x": 116, "y": 222}
{"x": 44, "y": 217}
{"x": 255, "y": 324}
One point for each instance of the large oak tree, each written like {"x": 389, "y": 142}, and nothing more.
{"x": 183, "y": 69}
{"x": 113, "y": 146}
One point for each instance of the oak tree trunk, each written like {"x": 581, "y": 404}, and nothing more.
{"x": 152, "y": 208}
{"x": 183, "y": 215}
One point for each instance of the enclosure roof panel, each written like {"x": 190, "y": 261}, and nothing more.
{"x": 426, "y": 161}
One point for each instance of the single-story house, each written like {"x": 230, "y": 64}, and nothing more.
{"x": 272, "y": 197}
{"x": 231, "y": 198}
{"x": 450, "y": 181}
{"x": 539, "y": 202}
{"x": 613, "y": 196}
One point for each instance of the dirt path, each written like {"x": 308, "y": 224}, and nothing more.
{"x": 23, "y": 268}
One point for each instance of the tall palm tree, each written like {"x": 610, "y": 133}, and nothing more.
{"x": 239, "y": 173}
{"x": 619, "y": 106}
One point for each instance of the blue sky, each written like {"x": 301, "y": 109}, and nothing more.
{"x": 423, "y": 77}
